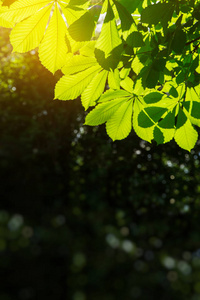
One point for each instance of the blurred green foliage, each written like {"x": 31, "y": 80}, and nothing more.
{"x": 81, "y": 217}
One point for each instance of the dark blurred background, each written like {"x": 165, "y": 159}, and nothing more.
{"x": 81, "y": 217}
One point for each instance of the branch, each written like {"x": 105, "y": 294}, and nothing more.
{"x": 190, "y": 42}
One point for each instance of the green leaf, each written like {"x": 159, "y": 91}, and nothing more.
{"x": 114, "y": 79}
{"x": 181, "y": 77}
{"x": 186, "y": 136}
{"x": 136, "y": 65}
{"x": 103, "y": 112}
{"x": 28, "y": 34}
{"x": 153, "y": 14}
{"x": 155, "y": 113}
{"x": 83, "y": 28}
{"x": 168, "y": 122}
{"x": 72, "y": 12}
{"x": 145, "y": 133}
{"x": 54, "y": 60}
{"x": 159, "y": 64}
{"x": 195, "y": 113}
{"x": 153, "y": 97}
{"x": 88, "y": 49}
{"x": 173, "y": 92}
{"x": 131, "y": 5}
{"x": 77, "y": 63}
{"x": 127, "y": 22}
{"x": 119, "y": 125}
{"x": 127, "y": 84}
{"x": 192, "y": 94}
{"x": 181, "y": 119}
{"x": 125, "y": 72}
{"x": 187, "y": 105}
{"x": 7, "y": 23}
{"x": 195, "y": 108}
{"x": 94, "y": 89}
{"x": 149, "y": 77}
{"x": 77, "y": 2}
{"x": 70, "y": 87}
{"x": 192, "y": 104}
{"x": 110, "y": 95}
{"x": 158, "y": 136}
{"x": 135, "y": 39}
{"x": 179, "y": 41}
{"x": 136, "y": 55}
{"x": 144, "y": 121}
{"x": 168, "y": 134}
{"x": 109, "y": 45}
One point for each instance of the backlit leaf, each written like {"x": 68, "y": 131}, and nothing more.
{"x": 110, "y": 95}
{"x": 158, "y": 136}
{"x": 159, "y": 12}
{"x": 153, "y": 97}
{"x": 109, "y": 44}
{"x": 103, "y": 112}
{"x": 53, "y": 60}
{"x": 70, "y": 87}
{"x": 27, "y": 35}
{"x": 144, "y": 121}
{"x": 119, "y": 125}
{"x": 145, "y": 133}
{"x": 94, "y": 89}
{"x": 77, "y": 63}
{"x": 186, "y": 136}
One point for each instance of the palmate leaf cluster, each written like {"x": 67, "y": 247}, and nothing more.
{"x": 141, "y": 72}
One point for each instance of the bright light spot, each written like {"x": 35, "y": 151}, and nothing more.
{"x": 184, "y": 267}
{"x": 138, "y": 152}
{"x": 169, "y": 163}
{"x": 172, "y": 201}
{"x": 169, "y": 262}
{"x": 185, "y": 209}
{"x": 128, "y": 246}
{"x": 45, "y": 113}
{"x": 112, "y": 240}
{"x": 15, "y": 222}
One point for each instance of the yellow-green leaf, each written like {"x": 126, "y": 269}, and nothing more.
{"x": 78, "y": 63}
{"x": 3, "y": 22}
{"x": 22, "y": 9}
{"x": 71, "y": 13}
{"x": 70, "y": 87}
{"x": 42, "y": 24}
{"x": 103, "y": 112}
{"x": 109, "y": 39}
{"x": 94, "y": 89}
{"x": 144, "y": 133}
{"x": 54, "y": 58}
{"x": 28, "y": 34}
{"x": 186, "y": 136}
{"x": 119, "y": 125}
{"x": 114, "y": 79}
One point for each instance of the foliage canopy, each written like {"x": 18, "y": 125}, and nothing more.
{"x": 142, "y": 71}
